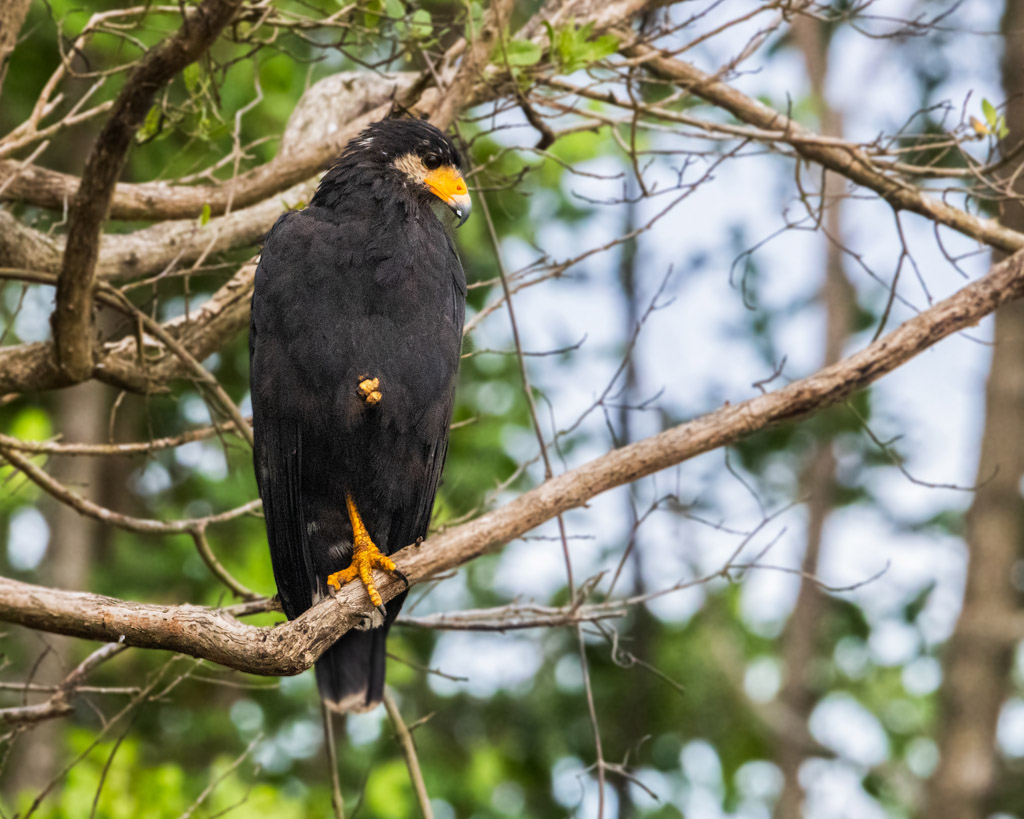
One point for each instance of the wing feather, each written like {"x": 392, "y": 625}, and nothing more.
{"x": 277, "y": 453}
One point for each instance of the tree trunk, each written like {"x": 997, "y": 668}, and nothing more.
{"x": 978, "y": 660}
{"x": 800, "y": 640}
{"x": 80, "y": 415}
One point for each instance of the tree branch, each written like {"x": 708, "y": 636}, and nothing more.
{"x": 160, "y": 200}
{"x": 292, "y": 647}
{"x": 32, "y": 367}
{"x": 412, "y": 761}
{"x": 59, "y": 704}
{"x": 153, "y": 250}
{"x": 977, "y": 667}
{"x": 12, "y": 16}
{"x": 848, "y": 160}
{"x": 517, "y": 616}
{"x": 72, "y": 317}
{"x": 471, "y": 69}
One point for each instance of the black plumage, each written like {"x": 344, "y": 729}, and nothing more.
{"x": 365, "y": 283}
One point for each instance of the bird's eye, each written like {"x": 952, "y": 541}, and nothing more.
{"x": 432, "y": 162}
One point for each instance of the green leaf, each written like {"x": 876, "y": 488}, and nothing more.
{"x": 31, "y": 424}
{"x": 191, "y": 76}
{"x": 913, "y": 608}
{"x": 474, "y": 20}
{"x": 151, "y": 125}
{"x": 204, "y": 217}
{"x": 989, "y": 110}
{"x": 564, "y": 44}
{"x": 422, "y": 26}
{"x": 551, "y": 32}
{"x": 417, "y": 25}
{"x": 371, "y": 17}
{"x": 573, "y": 48}
{"x": 522, "y": 53}
{"x": 603, "y": 46}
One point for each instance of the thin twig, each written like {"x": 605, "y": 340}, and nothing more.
{"x": 412, "y": 762}
{"x": 209, "y": 789}
{"x": 337, "y": 803}
{"x": 215, "y": 566}
{"x": 548, "y": 475}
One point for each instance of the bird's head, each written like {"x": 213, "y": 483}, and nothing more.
{"x": 412, "y": 152}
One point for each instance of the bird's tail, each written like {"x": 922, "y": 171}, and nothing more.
{"x": 350, "y": 674}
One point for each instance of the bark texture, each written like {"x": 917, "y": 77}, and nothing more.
{"x": 12, "y": 17}
{"x": 979, "y": 657}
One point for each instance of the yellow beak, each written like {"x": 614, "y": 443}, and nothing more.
{"x": 447, "y": 184}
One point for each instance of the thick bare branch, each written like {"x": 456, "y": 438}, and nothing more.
{"x": 602, "y": 14}
{"x": 292, "y": 647}
{"x": 32, "y": 367}
{"x": 22, "y": 246}
{"x": 72, "y": 317}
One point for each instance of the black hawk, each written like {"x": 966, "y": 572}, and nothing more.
{"x": 354, "y": 346}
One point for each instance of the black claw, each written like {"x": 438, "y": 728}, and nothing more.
{"x": 401, "y": 574}
{"x": 383, "y": 611}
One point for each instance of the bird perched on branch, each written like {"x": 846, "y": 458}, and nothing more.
{"x": 354, "y": 346}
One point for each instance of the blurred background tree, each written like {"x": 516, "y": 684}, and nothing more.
{"x": 693, "y": 203}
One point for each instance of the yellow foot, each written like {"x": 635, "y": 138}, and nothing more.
{"x": 365, "y": 558}
{"x": 368, "y": 389}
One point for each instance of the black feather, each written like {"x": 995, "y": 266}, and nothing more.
{"x": 364, "y": 282}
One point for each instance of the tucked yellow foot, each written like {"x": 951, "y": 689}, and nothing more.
{"x": 365, "y": 558}
{"x": 368, "y": 389}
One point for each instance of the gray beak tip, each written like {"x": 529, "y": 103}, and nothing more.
{"x": 462, "y": 207}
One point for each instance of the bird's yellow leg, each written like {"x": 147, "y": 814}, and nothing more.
{"x": 365, "y": 558}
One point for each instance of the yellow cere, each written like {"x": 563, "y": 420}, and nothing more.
{"x": 446, "y": 183}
